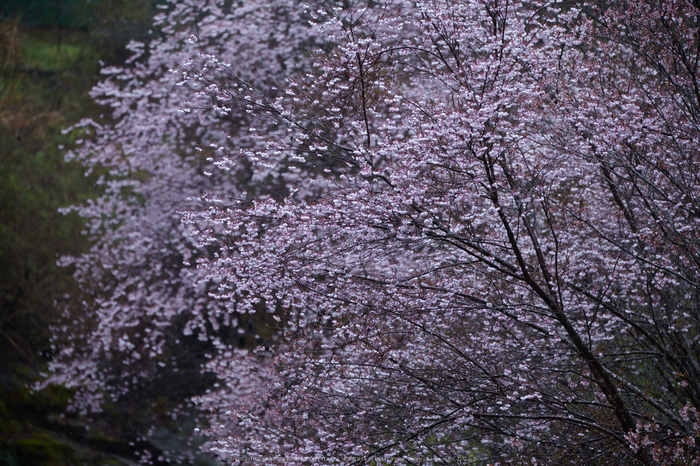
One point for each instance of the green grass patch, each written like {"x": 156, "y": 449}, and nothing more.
{"x": 43, "y": 55}
{"x": 53, "y": 50}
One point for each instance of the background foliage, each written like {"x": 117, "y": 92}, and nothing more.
{"x": 49, "y": 61}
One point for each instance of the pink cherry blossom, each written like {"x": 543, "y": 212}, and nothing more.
{"x": 475, "y": 223}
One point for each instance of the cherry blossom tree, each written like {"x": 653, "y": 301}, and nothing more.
{"x": 488, "y": 247}
{"x": 475, "y": 224}
{"x": 145, "y": 326}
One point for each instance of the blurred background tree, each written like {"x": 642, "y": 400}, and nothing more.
{"x": 49, "y": 60}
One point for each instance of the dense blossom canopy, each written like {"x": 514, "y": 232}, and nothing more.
{"x": 475, "y": 222}
{"x": 152, "y": 153}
